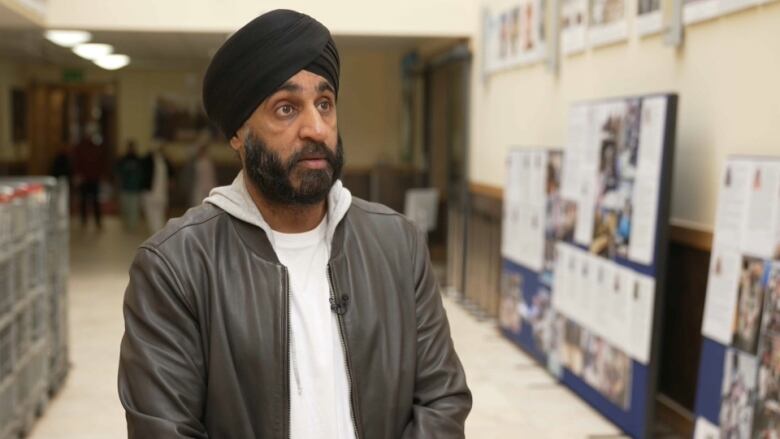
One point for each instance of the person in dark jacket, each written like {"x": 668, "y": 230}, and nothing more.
{"x": 130, "y": 172}
{"x": 283, "y": 307}
{"x": 89, "y": 169}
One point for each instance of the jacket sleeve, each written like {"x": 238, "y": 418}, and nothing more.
{"x": 442, "y": 399}
{"x": 162, "y": 373}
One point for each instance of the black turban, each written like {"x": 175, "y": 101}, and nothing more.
{"x": 256, "y": 60}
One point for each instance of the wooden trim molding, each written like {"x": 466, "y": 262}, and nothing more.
{"x": 486, "y": 190}
{"x": 698, "y": 239}
{"x": 681, "y": 234}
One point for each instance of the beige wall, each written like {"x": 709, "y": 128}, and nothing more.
{"x": 726, "y": 74}
{"x": 343, "y": 17}
{"x": 369, "y": 102}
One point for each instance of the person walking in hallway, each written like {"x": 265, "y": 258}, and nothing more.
{"x": 89, "y": 169}
{"x": 283, "y": 306}
{"x": 157, "y": 174}
{"x": 130, "y": 172}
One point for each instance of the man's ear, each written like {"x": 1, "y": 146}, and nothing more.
{"x": 237, "y": 142}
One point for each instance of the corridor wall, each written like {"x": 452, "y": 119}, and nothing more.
{"x": 721, "y": 73}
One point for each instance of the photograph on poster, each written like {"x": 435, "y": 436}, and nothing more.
{"x": 608, "y": 370}
{"x": 618, "y": 157}
{"x": 561, "y": 216}
{"x": 511, "y": 297}
{"x": 772, "y": 307}
{"x": 607, "y": 22}
{"x": 767, "y": 414}
{"x": 573, "y": 25}
{"x": 738, "y": 394}
{"x": 750, "y": 301}
{"x": 604, "y": 12}
{"x": 539, "y": 314}
{"x": 649, "y": 6}
{"x": 573, "y": 347}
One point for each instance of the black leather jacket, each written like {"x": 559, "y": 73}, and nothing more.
{"x": 205, "y": 350}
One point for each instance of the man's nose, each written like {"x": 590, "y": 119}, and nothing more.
{"x": 313, "y": 126}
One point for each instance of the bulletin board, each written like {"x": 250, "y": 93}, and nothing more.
{"x": 584, "y": 244}
{"x": 738, "y": 393}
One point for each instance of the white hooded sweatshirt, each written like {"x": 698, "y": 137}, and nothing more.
{"x": 319, "y": 386}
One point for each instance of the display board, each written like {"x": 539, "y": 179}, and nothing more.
{"x": 583, "y": 246}
{"x": 738, "y": 393}
{"x": 513, "y": 34}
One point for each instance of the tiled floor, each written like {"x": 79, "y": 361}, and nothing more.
{"x": 513, "y": 398}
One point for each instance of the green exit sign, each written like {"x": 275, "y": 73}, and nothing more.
{"x": 72, "y": 75}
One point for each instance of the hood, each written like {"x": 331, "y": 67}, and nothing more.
{"x": 236, "y": 201}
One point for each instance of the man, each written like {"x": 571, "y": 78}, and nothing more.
{"x": 130, "y": 173}
{"x": 89, "y": 169}
{"x": 157, "y": 174}
{"x": 283, "y": 307}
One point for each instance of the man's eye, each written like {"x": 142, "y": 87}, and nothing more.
{"x": 284, "y": 110}
{"x": 325, "y": 105}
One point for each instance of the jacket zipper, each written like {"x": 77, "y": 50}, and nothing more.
{"x": 289, "y": 330}
{"x": 347, "y": 362}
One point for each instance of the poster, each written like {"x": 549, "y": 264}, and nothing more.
{"x": 762, "y": 221}
{"x": 738, "y": 393}
{"x": 180, "y": 119}
{"x": 573, "y": 26}
{"x": 649, "y": 19}
{"x": 580, "y": 250}
{"x": 741, "y": 322}
{"x": 525, "y": 210}
{"x": 607, "y": 22}
{"x": 513, "y": 35}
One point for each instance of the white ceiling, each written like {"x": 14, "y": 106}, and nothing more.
{"x": 166, "y": 49}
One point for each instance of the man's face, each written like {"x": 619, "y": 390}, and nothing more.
{"x": 290, "y": 147}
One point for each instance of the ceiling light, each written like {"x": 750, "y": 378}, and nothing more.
{"x": 113, "y": 62}
{"x": 93, "y": 50}
{"x": 68, "y": 38}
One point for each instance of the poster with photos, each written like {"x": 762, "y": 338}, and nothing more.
{"x": 573, "y": 26}
{"x": 513, "y": 34}
{"x": 607, "y": 22}
{"x": 741, "y": 323}
{"x": 580, "y": 248}
{"x": 649, "y": 18}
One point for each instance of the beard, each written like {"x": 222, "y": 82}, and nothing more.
{"x": 286, "y": 182}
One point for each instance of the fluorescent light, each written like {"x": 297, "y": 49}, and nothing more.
{"x": 113, "y": 62}
{"x": 68, "y": 38}
{"x": 93, "y": 51}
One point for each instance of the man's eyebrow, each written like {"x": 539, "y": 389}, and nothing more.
{"x": 289, "y": 87}
{"x": 325, "y": 86}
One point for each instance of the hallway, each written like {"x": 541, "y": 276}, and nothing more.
{"x": 513, "y": 397}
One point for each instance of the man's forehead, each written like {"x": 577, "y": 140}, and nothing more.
{"x": 305, "y": 81}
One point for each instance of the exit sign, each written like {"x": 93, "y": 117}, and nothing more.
{"x": 72, "y": 75}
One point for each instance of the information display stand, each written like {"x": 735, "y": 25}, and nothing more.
{"x": 738, "y": 393}
{"x": 584, "y": 243}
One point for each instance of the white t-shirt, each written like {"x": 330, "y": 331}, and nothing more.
{"x": 319, "y": 389}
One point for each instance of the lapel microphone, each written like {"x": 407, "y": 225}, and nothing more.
{"x": 339, "y": 304}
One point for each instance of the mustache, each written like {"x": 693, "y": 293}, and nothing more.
{"x": 312, "y": 150}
